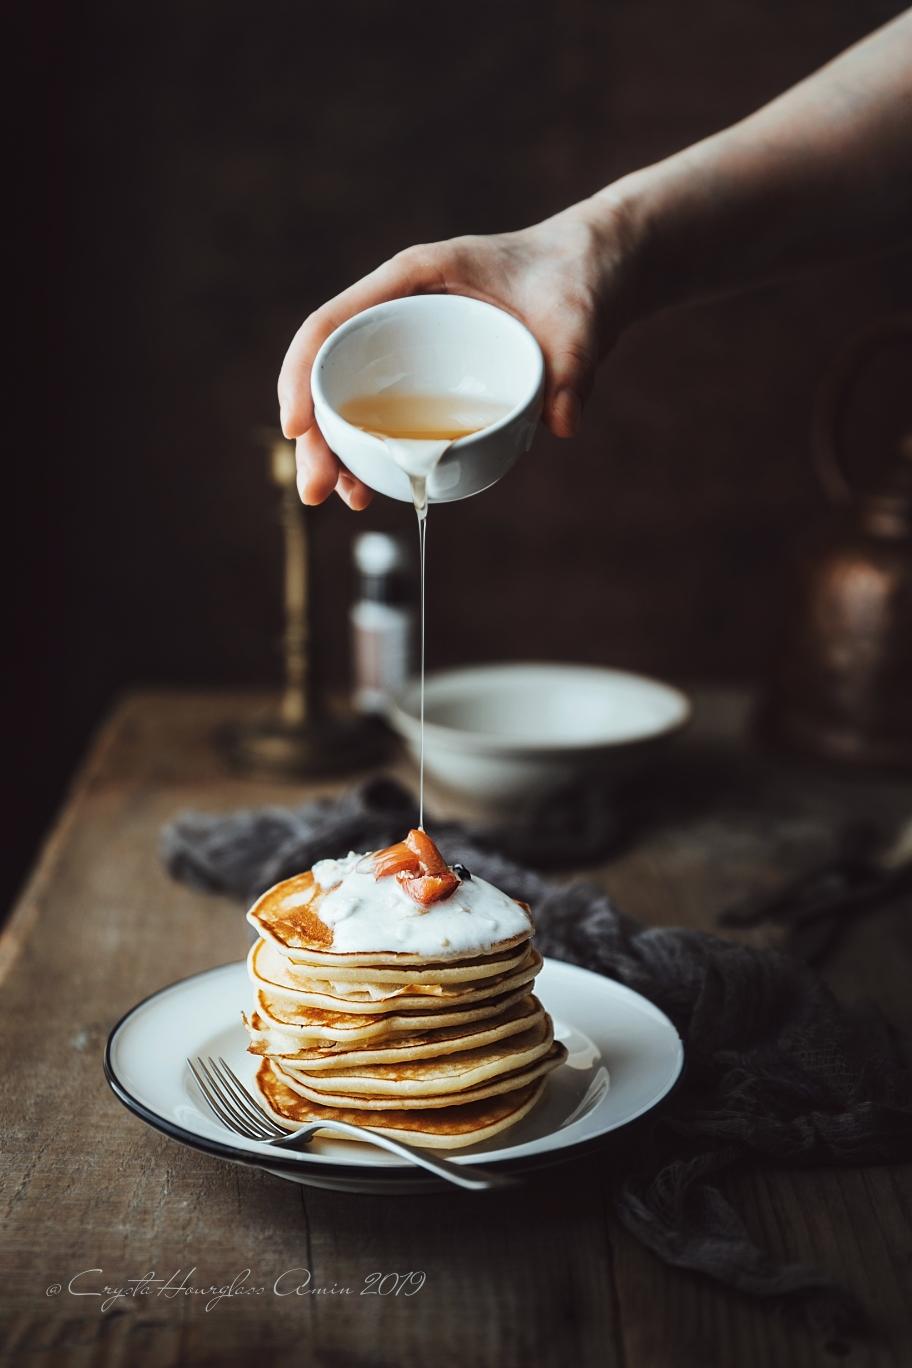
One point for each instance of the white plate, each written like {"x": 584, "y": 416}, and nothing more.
{"x": 610, "y": 1032}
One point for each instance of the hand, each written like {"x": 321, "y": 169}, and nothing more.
{"x": 559, "y": 277}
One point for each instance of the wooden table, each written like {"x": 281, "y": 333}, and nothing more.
{"x": 542, "y": 1277}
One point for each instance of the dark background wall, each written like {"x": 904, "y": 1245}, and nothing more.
{"x": 217, "y": 169}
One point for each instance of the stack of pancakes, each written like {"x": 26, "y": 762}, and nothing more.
{"x": 437, "y": 1050}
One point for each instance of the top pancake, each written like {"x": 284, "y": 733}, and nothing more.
{"x": 288, "y": 915}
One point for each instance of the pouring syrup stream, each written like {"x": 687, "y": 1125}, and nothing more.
{"x": 419, "y": 490}
{"x": 417, "y": 430}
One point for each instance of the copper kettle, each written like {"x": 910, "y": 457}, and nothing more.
{"x": 842, "y": 686}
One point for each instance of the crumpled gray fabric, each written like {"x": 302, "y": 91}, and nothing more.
{"x": 777, "y": 1071}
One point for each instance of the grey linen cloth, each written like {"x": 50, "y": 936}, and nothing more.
{"x": 777, "y": 1071}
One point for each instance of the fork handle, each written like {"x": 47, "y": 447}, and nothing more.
{"x": 471, "y": 1178}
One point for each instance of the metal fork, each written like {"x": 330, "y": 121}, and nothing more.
{"x": 236, "y": 1107}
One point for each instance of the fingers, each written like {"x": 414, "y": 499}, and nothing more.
{"x": 563, "y": 412}
{"x": 416, "y": 269}
{"x": 352, "y": 492}
{"x": 320, "y": 472}
{"x": 570, "y": 358}
{"x": 318, "y": 468}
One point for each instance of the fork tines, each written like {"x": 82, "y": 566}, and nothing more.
{"x": 231, "y": 1102}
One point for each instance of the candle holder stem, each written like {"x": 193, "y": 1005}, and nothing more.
{"x": 300, "y": 736}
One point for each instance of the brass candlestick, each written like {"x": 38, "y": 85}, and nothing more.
{"x": 299, "y": 737}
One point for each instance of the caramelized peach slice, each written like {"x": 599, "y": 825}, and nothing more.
{"x": 428, "y": 888}
{"x": 396, "y": 859}
{"x": 419, "y": 868}
{"x": 432, "y": 862}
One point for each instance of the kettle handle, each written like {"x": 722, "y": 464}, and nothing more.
{"x": 834, "y": 395}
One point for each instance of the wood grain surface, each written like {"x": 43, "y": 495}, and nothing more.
{"x": 544, "y": 1276}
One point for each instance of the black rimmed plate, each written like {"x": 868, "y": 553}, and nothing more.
{"x": 623, "y": 1056}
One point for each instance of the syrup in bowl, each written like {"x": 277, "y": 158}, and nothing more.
{"x": 422, "y": 417}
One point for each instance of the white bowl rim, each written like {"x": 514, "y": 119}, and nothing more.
{"x": 424, "y": 301}
{"x": 406, "y": 723}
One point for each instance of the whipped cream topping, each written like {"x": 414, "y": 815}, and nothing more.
{"x": 368, "y": 914}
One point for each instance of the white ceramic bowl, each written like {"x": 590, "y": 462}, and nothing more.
{"x": 431, "y": 344}
{"x": 500, "y": 733}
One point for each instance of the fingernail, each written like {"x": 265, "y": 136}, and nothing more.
{"x": 282, "y": 422}
{"x": 567, "y": 410}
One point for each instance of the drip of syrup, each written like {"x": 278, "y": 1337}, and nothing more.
{"x": 417, "y": 430}
{"x": 419, "y": 458}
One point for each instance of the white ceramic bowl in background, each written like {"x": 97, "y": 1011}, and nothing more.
{"x": 431, "y": 344}
{"x": 499, "y": 733}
